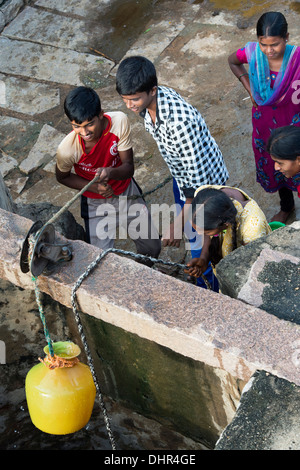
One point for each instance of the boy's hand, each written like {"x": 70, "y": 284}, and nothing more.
{"x": 104, "y": 190}
{"x": 197, "y": 266}
{"x": 169, "y": 239}
{"x": 104, "y": 175}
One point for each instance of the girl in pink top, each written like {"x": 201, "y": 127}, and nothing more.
{"x": 273, "y": 83}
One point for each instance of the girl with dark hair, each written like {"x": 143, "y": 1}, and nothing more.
{"x": 284, "y": 148}
{"x": 228, "y": 218}
{"x": 272, "y": 82}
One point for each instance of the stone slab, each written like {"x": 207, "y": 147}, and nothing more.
{"x": 28, "y": 97}
{"x": 10, "y": 9}
{"x": 17, "y": 137}
{"x": 7, "y": 163}
{"x": 43, "y": 151}
{"x": 47, "y": 63}
{"x": 156, "y": 38}
{"x": 75, "y": 7}
{"x": 254, "y": 290}
{"x": 265, "y": 273}
{"x": 200, "y": 324}
{"x": 44, "y": 27}
{"x": 16, "y": 185}
{"x": 206, "y": 46}
{"x": 160, "y": 32}
{"x": 49, "y": 190}
{"x": 2, "y": 21}
{"x": 267, "y": 417}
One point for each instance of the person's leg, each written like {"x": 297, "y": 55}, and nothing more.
{"x": 100, "y": 218}
{"x": 195, "y": 241}
{"x": 287, "y": 205}
{"x": 139, "y": 223}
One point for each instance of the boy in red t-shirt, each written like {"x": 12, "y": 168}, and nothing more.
{"x": 100, "y": 142}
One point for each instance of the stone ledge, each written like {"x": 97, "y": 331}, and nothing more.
{"x": 265, "y": 273}
{"x": 208, "y": 327}
{"x": 267, "y": 417}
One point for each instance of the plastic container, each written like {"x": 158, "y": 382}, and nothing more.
{"x": 275, "y": 225}
{"x": 60, "y": 400}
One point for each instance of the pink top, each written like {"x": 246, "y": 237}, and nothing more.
{"x": 241, "y": 55}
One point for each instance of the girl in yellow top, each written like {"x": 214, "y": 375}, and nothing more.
{"x": 229, "y": 219}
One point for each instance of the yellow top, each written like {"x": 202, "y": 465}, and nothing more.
{"x": 251, "y": 222}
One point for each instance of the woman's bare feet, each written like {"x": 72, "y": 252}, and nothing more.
{"x": 281, "y": 216}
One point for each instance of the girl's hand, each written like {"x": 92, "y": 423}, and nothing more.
{"x": 197, "y": 266}
{"x": 253, "y": 102}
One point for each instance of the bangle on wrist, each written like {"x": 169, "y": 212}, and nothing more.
{"x": 246, "y": 73}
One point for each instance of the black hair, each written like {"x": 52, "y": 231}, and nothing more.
{"x": 272, "y": 23}
{"x": 82, "y": 104}
{"x": 284, "y": 143}
{"x": 218, "y": 210}
{"x": 135, "y": 74}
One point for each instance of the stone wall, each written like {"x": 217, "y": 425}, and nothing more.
{"x": 266, "y": 273}
{"x": 9, "y": 10}
{"x": 140, "y": 321}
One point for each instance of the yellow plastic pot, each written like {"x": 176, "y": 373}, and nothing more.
{"x": 60, "y": 400}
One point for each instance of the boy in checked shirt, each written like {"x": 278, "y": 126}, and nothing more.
{"x": 182, "y": 137}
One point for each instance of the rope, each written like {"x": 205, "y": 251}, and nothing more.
{"x": 74, "y": 198}
{"x": 31, "y": 242}
{"x": 89, "y": 357}
{"x": 69, "y": 203}
{"x": 53, "y": 361}
{"x": 42, "y": 316}
{"x": 56, "y": 362}
{"x": 78, "y": 284}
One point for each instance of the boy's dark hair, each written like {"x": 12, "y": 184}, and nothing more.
{"x": 284, "y": 143}
{"x": 135, "y": 74}
{"x": 272, "y": 23}
{"x": 82, "y": 104}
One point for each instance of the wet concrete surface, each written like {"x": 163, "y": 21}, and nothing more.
{"x": 49, "y": 48}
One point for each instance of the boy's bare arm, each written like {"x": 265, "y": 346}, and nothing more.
{"x": 71, "y": 180}
{"x": 121, "y": 172}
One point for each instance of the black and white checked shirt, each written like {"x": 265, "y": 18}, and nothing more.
{"x": 185, "y": 143}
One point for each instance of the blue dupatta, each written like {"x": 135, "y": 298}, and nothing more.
{"x": 259, "y": 74}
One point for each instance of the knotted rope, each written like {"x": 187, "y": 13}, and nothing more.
{"x": 51, "y": 358}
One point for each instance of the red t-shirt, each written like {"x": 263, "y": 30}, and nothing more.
{"x": 115, "y": 138}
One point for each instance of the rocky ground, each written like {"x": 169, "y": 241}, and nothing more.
{"x": 47, "y": 48}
